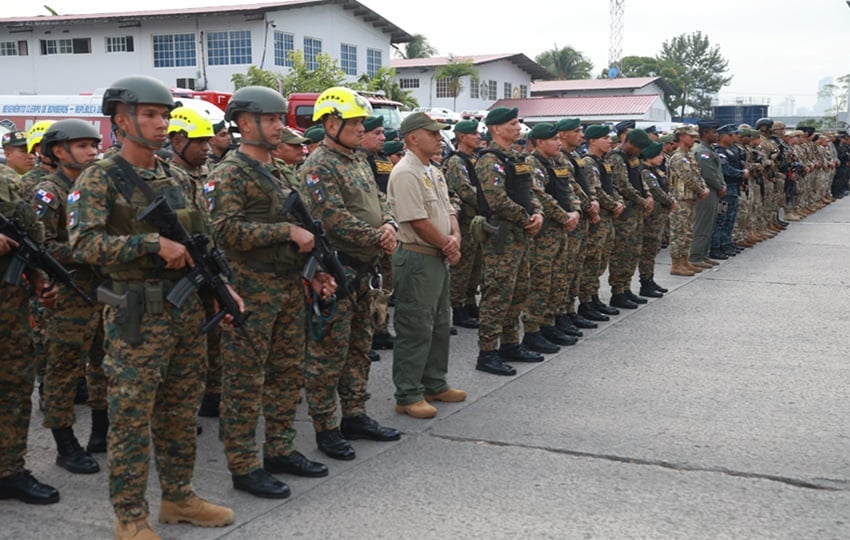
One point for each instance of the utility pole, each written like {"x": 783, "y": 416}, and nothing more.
{"x": 615, "y": 37}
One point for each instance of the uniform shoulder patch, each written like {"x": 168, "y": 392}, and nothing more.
{"x": 312, "y": 179}
{"x": 704, "y": 155}
{"x": 498, "y": 168}
{"x": 74, "y": 196}
{"x": 209, "y": 187}
{"x": 44, "y": 196}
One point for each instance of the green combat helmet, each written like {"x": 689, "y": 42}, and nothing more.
{"x": 256, "y": 100}
{"x": 64, "y": 131}
{"x": 135, "y": 90}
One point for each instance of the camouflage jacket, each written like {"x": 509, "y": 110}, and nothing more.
{"x": 592, "y": 164}
{"x": 553, "y": 210}
{"x": 686, "y": 182}
{"x": 491, "y": 175}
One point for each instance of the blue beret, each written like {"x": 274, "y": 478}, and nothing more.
{"x": 624, "y": 125}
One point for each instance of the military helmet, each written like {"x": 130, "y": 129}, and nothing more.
{"x": 63, "y": 131}
{"x": 36, "y": 133}
{"x": 134, "y": 90}
{"x": 191, "y": 123}
{"x": 255, "y": 100}
{"x": 764, "y": 122}
{"x": 343, "y": 102}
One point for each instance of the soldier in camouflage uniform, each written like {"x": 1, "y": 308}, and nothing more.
{"x": 17, "y": 370}
{"x": 373, "y": 146}
{"x": 155, "y": 352}
{"x": 653, "y": 225}
{"x": 189, "y": 134}
{"x": 44, "y": 165}
{"x": 628, "y": 227}
{"x": 687, "y": 185}
{"x": 15, "y": 151}
{"x": 571, "y": 137}
{"x": 220, "y": 142}
{"x": 600, "y": 240}
{"x": 74, "y": 326}
{"x": 505, "y": 181}
{"x": 342, "y": 193}
{"x": 267, "y": 250}
{"x": 549, "y": 253}
{"x": 459, "y": 170}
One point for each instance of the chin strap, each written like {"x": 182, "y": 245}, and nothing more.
{"x": 262, "y": 140}
{"x": 335, "y": 138}
{"x": 153, "y": 145}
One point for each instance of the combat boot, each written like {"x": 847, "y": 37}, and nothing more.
{"x": 680, "y": 267}
{"x": 196, "y": 511}
{"x": 24, "y": 487}
{"x": 635, "y": 298}
{"x": 518, "y": 353}
{"x": 473, "y": 311}
{"x": 334, "y": 445}
{"x": 462, "y": 318}
{"x": 702, "y": 265}
{"x": 692, "y": 267}
{"x": 210, "y": 404}
{"x": 620, "y": 300}
{"x": 534, "y": 341}
{"x": 557, "y": 337}
{"x": 601, "y": 307}
{"x": 581, "y": 322}
{"x": 646, "y": 289}
{"x": 99, "y": 429}
{"x": 70, "y": 455}
{"x": 135, "y": 530}
{"x": 383, "y": 340}
{"x": 586, "y": 310}
{"x": 492, "y": 362}
{"x": 565, "y": 325}
{"x": 656, "y": 286}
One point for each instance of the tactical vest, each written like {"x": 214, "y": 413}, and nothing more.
{"x": 482, "y": 207}
{"x": 633, "y": 170}
{"x": 13, "y": 206}
{"x": 558, "y": 185}
{"x": 122, "y": 220}
{"x": 279, "y": 257}
{"x": 663, "y": 181}
{"x": 518, "y": 179}
{"x": 381, "y": 169}
{"x": 579, "y": 175}
{"x": 604, "y": 175}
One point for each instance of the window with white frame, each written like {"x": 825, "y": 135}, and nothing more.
{"x": 174, "y": 50}
{"x": 119, "y": 44}
{"x": 373, "y": 61}
{"x": 312, "y": 48}
{"x": 284, "y": 44}
{"x": 408, "y": 83}
{"x": 348, "y": 58}
{"x": 228, "y": 48}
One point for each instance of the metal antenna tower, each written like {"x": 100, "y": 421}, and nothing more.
{"x": 615, "y": 36}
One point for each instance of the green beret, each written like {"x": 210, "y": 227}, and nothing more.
{"x": 315, "y": 133}
{"x": 596, "y": 131}
{"x": 393, "y": 147}
{"x": 487, "y": 136}
{"x": 666, "y": 138}
{"x": 639, "y": 138}
{"x": 467, "y": 126}
{"x": 652, "y": 150}
{"x": 219, "y": 126}
{"x": 568, "y": 124}
{"x": 543, "y": 131}
{"x": 373, "y": 122}
{"x": 501, "y": 115}
{"x": 392, "y": 134}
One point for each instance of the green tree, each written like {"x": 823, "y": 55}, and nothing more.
{"x": 811, "y": 122}
{"x": 565, "y": 63}
{"x": 695, "y": 69}
{"x": 837, "y": 94}
{"x": 257, "y": 77}
{"x": 453, "y": 73}
{"x": 384, "y": 81}
{"x": 418, "y": 47}
{"x": 303, "y": 79}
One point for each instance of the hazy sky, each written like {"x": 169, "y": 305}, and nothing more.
{"x": 775, "y": 48}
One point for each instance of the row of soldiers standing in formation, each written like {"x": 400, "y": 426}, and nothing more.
{"x": 539, "y": 228}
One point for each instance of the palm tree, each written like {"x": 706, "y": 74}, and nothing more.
{"x": 418, "y": 47}
{"x": 385, "y": 81}
{"x": 454, "y": 71}
{"x": 565, "y": 63}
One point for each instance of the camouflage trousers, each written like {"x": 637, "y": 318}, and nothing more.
{"x": 271, "y": 383}
{"x": 628, "y": 239}
{"x": 575, "y": 265}
{"x": 504, "y": 289}
{"x": 597, "y": 247}
{"x": 154, "y": 392}
{"x": 653, "y": 227}
{"x": 76, "y": 332}
{"x": 466, "y": 274}
{"x": 548, "y": 271}
{"x": 682, "y": 228}
{"x": 17, "y": 371}
{"x": 743, "y": 222}
{"x": 213, "y": 385}
{"x": 337, "y": 362}
{"x": 37, "y": 326}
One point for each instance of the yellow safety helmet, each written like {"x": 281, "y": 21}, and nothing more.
{"x": 343, "y": 102}
{"x": 36, "y": 133}
{"x": 191, "y": 123}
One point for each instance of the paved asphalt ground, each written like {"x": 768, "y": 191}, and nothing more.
{"x": 719, "y": 411}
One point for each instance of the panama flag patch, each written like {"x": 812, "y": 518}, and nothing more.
{"x": 44, "y": 196}
{"x": 73, "y": 197}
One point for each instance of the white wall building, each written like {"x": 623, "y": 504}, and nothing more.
{"x": 499, "y": 76}
{"x": 197, "y": 48}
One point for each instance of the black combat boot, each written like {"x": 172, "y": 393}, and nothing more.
{"x": 462, "y": 318}
{"x": 260, "y": 483}
{"x": 492, "y": 362}
{"x": 646, "y": 289}
{"x": 383, "y": 340}
{"x": 620, "y": 300}
{"x": 557, "y": 337}
{"x": 472, "y": 311}
{"x": 373, "y": 355}
{"x": 517, "y": 353}
{"x": 24, "y": 487}
{"x": 656, "y": 286}
{"x": 586, "y": 310}
{"x": 361, "y": 426}
{"x": 210, "y": 404}
{"x": 565, "y": 325}
{"x": 99, "y": 429}
{"x": 635, "y": 298}
{"x": 82, "y": 395}
{"x": 534, "y": 341}
{"x": 581, "y": 322}
{"x": 333, "y": 445}
{"x": 71, "y": 455}
{"x": 601, "y": 307}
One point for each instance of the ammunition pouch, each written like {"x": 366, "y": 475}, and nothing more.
{"x": 132, "y": 299}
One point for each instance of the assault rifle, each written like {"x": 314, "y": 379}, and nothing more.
{"x": 30, "y": 253}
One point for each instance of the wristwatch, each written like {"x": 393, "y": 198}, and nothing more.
{"x": 393, "y": 223}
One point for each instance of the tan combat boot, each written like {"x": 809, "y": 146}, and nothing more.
{"x": 135, "y": 530}
{"x": 196, "y": 511}
{"x": 691, "y": 266}
{"x": 679, "y": 268}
